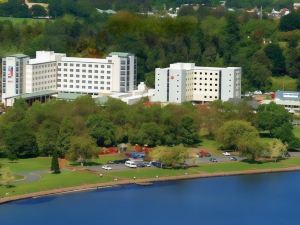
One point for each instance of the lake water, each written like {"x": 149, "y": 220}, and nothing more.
{"x": 269, "y": 199}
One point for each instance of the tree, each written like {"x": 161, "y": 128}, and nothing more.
{"x": 293, "y": 62}
{"x": 47, "y": 137}
{"x": 20, "y": 141}
{"x": 54, "y": 163}
{"x": 82, "y": 148}
{"x": 231, "y": 37}
{"x": 102, "y": 130}
{"x": 277, "y": 149}
{"x": 38, "y": 11}
{"x": 269, "y": 116}
{"x": 66, "y": 131}
{"x": 290, "y": 22}
{"x": 232, "y": 132}
{"x": 252, "y": 147}
{"x": 170, "y": 157}
{"x": 149, "y": 134}
{"x": 188, "y": 132}
{"x": 275, "y": 54}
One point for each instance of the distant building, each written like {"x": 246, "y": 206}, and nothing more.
{"x": 41, "y": 72}
{"x": 186, "y": 82}
{"x": 289, "y": 99}
{"x": 296, "y": 6}
{"x": 13, "y": 77}
{"x": 115, "y": 73}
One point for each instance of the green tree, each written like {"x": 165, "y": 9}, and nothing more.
{"x": 66, "y": 131}
{"x": 277, "y": 149}
{"x": 149, "y": 134}
{"x": 188, "y": 132}
{"x": 47, "y": 137}
{"x": 82, "y": 148}
{"x": 275, "y": 54}
{"x": 38, "y": 11}
{"x": 171, "y": 156}
{"x": 252, "y": 147}
{"x": 102, "y": 130}
{"x": 231, "y": 133}
{"x": 20, "y": 141}
{"x": 54, "y": 163}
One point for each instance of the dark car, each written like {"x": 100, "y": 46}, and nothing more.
{"x": 213, "y": 160}
{"x": 233, "y": 158}
{"x": 119, "y": 161}
{"x": 140, "y": 165}
{"x": 157, "y": 164}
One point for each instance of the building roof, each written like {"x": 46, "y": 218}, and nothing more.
{"x": 120, "y": 54}
{"x": 288, "y": 95}
{"x": 35, "y": 94}
{"x": 68, "y": 96}
{"x": 19, "y": 55}
{"x": 101, "y": 100}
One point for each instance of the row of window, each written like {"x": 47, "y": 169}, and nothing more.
{"x": 83, "y": 87}
{"x": 43, "y": 71}
{"x": 43, "y": 88}
{"x": 85, "y": 65}
{"x": 83, "y": 81}
{"x": 84, "y": 76}
{"x": 85, "y": 71}
{"x": 43, "y": 77}
{"x": 44, "y": 82}
{"x": 44, "y": 66}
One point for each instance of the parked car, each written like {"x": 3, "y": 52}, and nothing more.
{"x": 119, "y": 161}
{"x": 130, "y": 164}
{"x": 147, "y": 164}
{"x": 203, "y": 153}
{"x": 135, "y": 155}
{"x": 226, "y": 153}
{"x": 233, "y": 158}
{"x": 213, "y": 160}
{"x": 106, "y": 167}
{"x": 157, "y": 164}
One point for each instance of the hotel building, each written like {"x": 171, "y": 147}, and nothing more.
{"x": 186, "y": 82}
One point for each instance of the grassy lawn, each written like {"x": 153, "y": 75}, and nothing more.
{"x": 27, "y": 165}
{"x": 210, "y": 145}
{"x": 53, "y": 181}
{"x": 103, "y": 159}
{"x": 297, "y": 131}
{"x": 69, "y": 178}
{"x": 283, "y": 83}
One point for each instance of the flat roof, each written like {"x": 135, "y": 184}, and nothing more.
{"x": 19, "y": 55}
{"x": 68, "y": 96}
{"x": 84, "y": 60}
{"x": 120, "y": 54}
{"x": 35, "y": 94}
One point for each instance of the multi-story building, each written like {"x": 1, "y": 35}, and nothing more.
{"x": 186, "y": 82}
{"x": 41, "y": 72}
{"x": 13, "y": 77}
{"x": 115, "y": 73}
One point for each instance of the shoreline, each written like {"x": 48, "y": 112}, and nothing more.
{"x": 141, "y": 182}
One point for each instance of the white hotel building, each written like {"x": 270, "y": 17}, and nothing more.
{"x": 115, "y": 73}
{"x": 186, "y": 82}
{"x": 41, "y": 72}
{"x": 51, "y": 71}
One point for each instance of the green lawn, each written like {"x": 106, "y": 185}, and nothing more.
{"x": 103, "y": 159}
{"x": 284, "y": 83}
{"x": 297, "y": 131}
{"x": 53, "y": 181}
{"x": 27, "y": 165}
{"x": 211, "y": 145}
{"x": 68, "y": 178}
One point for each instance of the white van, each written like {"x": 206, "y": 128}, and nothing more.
{"x": 130, "y": 164}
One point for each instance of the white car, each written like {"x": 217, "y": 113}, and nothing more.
{"x": 130, "y": 164}
{"x": 226, "y": 153}
{"x": 106, "y": 167}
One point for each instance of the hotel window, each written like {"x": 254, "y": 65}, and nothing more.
{"x": 83, "y": 87}
{"x": 83, "y": 65}
{"x": 77, "y": 86}
{"x": 90, "y": 65}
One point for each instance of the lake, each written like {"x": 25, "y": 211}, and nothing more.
{"x": 268, "y": 199}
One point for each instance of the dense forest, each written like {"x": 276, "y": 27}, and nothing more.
{"x": 264, "y": 48}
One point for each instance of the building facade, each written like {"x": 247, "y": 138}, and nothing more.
{"x": 186, "y": 82}
{"x": 13, "y": 77}
{"x": 115, "y": 73}
{"x": 41, "y": 72}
